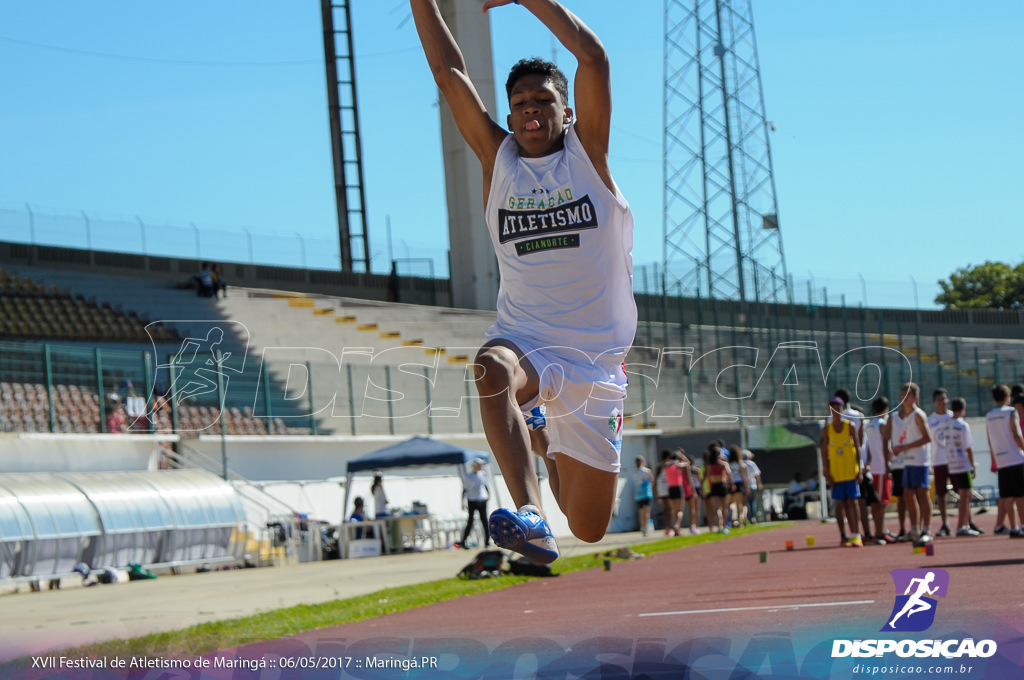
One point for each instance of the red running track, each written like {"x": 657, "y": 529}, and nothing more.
{"x": 710, "y": 604}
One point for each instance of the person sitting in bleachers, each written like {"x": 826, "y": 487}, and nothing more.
{"x": 220, "y": 286}
{"x": 117, "y": 423}
{"x": 205, "y": 281}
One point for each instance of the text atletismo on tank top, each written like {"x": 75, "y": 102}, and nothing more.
{"x": 842, "y": 455}
{"x": 564, "y": 246}
{"x": 907, "y": 430}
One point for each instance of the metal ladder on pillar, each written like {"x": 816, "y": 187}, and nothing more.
{"x": 345, "y": 142}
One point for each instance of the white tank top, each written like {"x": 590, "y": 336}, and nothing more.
{"x": 907, "y": 430}
{"x": 564, "y": 246}
{"x": 940, "y": 447}
{"x": 958, "y": 440}
{"x": 998, "y": 423}
{"x": 873, "y": 441}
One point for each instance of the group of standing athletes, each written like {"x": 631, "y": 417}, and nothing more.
{"x": 727, "y": 482}
{"x": 898, "y": 452}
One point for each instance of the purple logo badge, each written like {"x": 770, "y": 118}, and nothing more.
{"x": 916, "y": 590}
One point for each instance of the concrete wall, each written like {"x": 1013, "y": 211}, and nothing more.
{"x": 33, "y": 452}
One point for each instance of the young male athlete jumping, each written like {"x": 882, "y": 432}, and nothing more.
{"x": 551, "y": 367}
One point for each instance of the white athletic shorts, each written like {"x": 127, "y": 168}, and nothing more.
{"x": 584, "y": 404}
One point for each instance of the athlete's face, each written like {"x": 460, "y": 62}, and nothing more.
{"x": 538, "y": 116}
{"x": 941, "y": 402}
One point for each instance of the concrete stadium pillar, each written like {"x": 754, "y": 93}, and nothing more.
{"x": 473, "y": 267}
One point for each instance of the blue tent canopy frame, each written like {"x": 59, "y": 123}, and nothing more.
{"x": 417, "y": 452}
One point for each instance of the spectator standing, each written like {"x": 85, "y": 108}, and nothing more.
{"x": 476, "y": 493}
{"x": 719, "y": 481}
{"x": 380, "y": 499}
{"x": 643, "y": 483}
{"x": 661, "y": 487}
{"x": 752, "y": 483}
{"x": 738, "y": 491}
{"x": 696, "y": 494}
{"x": 674, "y": 477}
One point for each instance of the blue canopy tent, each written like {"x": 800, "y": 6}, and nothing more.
{"x": 416, "y": 452}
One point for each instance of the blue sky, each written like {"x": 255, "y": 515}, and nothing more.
{"x": 896, "y": 152}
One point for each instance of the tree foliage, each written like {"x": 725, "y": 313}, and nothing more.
{"x": 993, "y": 285}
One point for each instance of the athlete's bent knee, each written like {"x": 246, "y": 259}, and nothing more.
{"x": 588, "y": 532}
{"x": 493, "y": 373}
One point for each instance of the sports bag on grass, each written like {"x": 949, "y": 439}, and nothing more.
{"x": 486, "y": 564}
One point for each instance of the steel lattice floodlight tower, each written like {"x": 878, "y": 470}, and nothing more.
{"x": 721, "y": 227}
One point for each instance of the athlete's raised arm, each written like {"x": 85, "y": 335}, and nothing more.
{"x": 448, "y": 66}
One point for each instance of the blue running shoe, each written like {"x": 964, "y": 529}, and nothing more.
{"x": 536, "y": 419}
{"x": 524, "y": 532}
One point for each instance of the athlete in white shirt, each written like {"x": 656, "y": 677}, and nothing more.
{"x": 1002, "y": 426}
{"x": 939, "y": 454}
{"x": 563, "y": 234}
{"x": 879, "y": 466}
{"x": 907, "y": 430}
{"x": 960, "y": 459}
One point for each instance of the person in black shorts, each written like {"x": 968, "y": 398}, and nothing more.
{"x": 719, "y": 481}
{"x": 738, "y": 490}
{"x": 960, "y": 461}
{"x": 897, "y": 489}
{"x": 868, "y": 498}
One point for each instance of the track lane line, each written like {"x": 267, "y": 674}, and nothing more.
{"x": 749, "y": 609}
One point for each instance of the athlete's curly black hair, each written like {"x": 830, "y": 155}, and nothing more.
{"x": 545, "y": 68}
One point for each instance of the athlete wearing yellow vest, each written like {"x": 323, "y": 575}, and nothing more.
{"x": 840, "y": 458}
{"x": 842, "y": 450}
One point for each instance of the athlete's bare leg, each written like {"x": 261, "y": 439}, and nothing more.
{"x": 539, "y": 442}
{"x": 585, "y": 494}
{"x": 504, "y": 380}
{"x": 924, "y": 505}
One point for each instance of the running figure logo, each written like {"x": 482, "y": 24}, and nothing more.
{"x": 914, "y": 610}
{"x": 198, "y": 369}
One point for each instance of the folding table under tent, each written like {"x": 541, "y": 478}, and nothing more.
{"x": 417, "y": 452}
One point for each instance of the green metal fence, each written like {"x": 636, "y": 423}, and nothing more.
{"x": 726, "y": 365}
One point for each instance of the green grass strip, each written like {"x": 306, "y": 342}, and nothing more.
{"x": 220, "y": 635}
